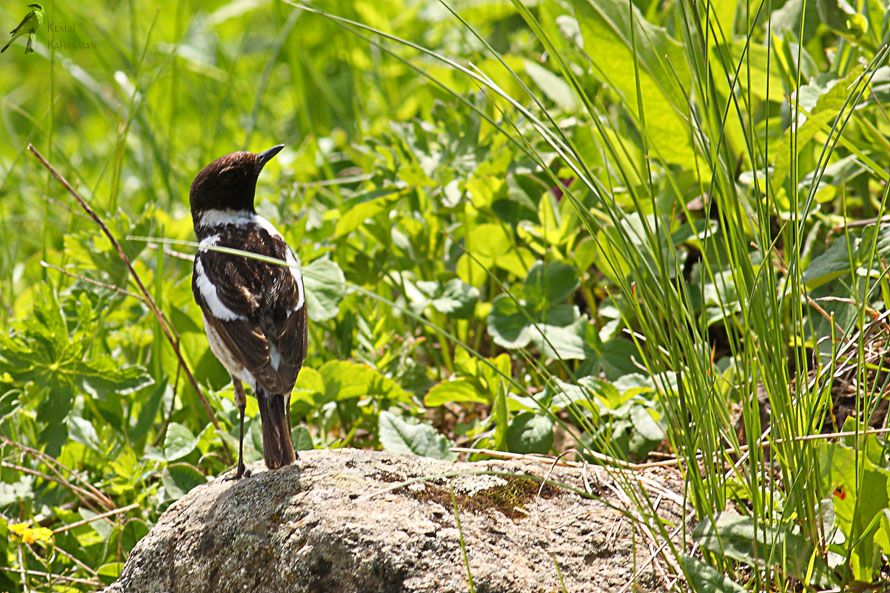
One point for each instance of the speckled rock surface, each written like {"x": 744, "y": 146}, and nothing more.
{"x": 347, "y": 521}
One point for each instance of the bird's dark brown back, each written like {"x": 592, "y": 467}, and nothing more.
{"x": 266, "y": 296}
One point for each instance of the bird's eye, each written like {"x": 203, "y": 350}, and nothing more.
{"x": 228, "y": 176}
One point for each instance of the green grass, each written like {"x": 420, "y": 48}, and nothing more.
{"x": 625, "y": 229}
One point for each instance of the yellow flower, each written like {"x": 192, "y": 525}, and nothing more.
{"x": 29, "y": 535}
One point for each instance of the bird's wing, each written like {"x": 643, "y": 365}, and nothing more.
{"x": 25, "y": 21}
{"x": 256, "y": 308}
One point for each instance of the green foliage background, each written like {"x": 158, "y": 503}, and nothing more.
{"x": 529, "y": 227}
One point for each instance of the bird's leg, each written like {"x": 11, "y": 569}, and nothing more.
{"x": 241, "y": 402}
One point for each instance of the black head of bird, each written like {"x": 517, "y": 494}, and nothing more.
{"x": 229, "y": 182}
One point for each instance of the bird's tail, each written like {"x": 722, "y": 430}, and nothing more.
{"x": 5, "y": 47}
{"x": 278, "y": 447}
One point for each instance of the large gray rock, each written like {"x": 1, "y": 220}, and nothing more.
{"x": 346, "y": 521}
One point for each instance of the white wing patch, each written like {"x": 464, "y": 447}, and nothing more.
{"x": 228, "y": 360}
{"x": 208, "y": 293}
{"x": 298, "y": 277}
{"x": 208, "y": 242}
{"x": 265, "y": 225}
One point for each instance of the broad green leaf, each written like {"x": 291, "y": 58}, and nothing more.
{"x": 787, "y": 19}
{"x": 458, "y": 391}
{"x": 582, "y": 392}
{"x": 357, "y": 212}
{"x": 554, "y": 87}
{"x": 608, "y": 256}
{"x": 626, "y": 52}
{"x": 647, "y": 433}
{"x": 399, "y": 435}
{"x": 83, "y": 432}
{"x": 472, "y": 271}
{"x": 253, "y": 440}
{"x": 559, "y": 333}
{"x": 585, "y": 252}
{"x": 843, "y": 18}
{"x": 183, "y": 322}
{"x": 110, "y": 571}
{"x": 344, "y": 379}
{"x": 302, "y": 439}
{"x": 102, "y": 376}
{"x": 705, "y": 579}
{"x": 722, "y": 17}
{"x": 488, "y": 242}
{"x": 494, "y": 372}
{"x": 821, "y": 102}
{"x": 456, "y": 299}
{"x": 180, "y": 478}
{"x": 132, "y": 533}
{"x": 51, "y": 414}
{"x": 530, "y": 433}
{"x": 761, "y": 545}
{"x": 860, "y": 496}
{"x": 125, "y": 464}
{"x": 508, "y": 324}
{"x": 485, "y": 189}
{"x": 833, "y": 263}
{"x": 102, "y": 527}
{"x": 616, "y": 359}
{"x": 558, "y": 341}
{"x": 325, "y": 285}
{"x": 517, "y": 261}
{"x": 882, "y": 535}
{"x": 309, "y": 382}
{"x": 759, "y": 73}
{"x": 149, "y": 404}
{"x": 178, "y": 442}
{"x": 550, "y": 283}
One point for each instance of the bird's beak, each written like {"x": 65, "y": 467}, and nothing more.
{"x": 266, "y": 156}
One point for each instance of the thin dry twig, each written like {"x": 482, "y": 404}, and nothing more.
{"x": 56, "y": 466}
{"x": 60, "y": 577}
{"x": 84, "y": 496}
{"x": 23, "y": 570}
{"x": 147, "y": 298}
{"x": 672, "y": 462}
{"x": 546, "y": 459}
{"x": 89, "y": 520}
{"x": 89, "y": 280}
{"x": 177, "y": 254}
{"x": 859, "y": 223}
{"x": 74, "y": 559}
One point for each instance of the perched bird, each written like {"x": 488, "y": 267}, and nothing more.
{"x": 254, "y": 311}
{"x": 28, "y": 26}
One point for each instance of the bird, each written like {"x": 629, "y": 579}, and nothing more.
{"x": 28, "y": 26}
{"x": 254, "y": 311}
